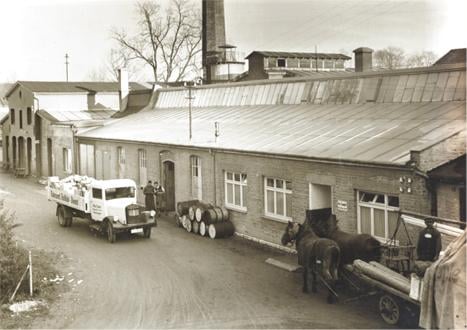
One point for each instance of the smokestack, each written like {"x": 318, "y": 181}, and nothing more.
{"x": 213, "y": 34}
{"x": 123, "y": 88}
{"x": 363, "y": 59}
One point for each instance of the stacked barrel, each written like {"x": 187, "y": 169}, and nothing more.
{"x": 204, "y": 219}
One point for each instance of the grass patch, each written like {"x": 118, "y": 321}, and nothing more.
{"x": 14, "y": 259}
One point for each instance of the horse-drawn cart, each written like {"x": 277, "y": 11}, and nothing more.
{"x": 396, "y": 306}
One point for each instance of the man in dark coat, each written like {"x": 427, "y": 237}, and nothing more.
{"x": 429, "y": 242}
{"x": 149, "y": 192}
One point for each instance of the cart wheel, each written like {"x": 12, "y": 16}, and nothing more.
{"x": 389, "y": 309}
{"x": 111, "y": 235}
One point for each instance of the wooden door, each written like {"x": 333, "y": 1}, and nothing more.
{"x": 169, "y": 185}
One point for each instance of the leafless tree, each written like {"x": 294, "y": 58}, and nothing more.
{"x": 117, "y": 58}
{"x": 425, "y": 58}
{"x": 389, "y": 58}
{"x": 169, "y": 40}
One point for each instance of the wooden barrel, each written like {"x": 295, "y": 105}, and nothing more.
{"x": 178, "y": 220}
{"x": 195, "y": 227}
{"x": 202, "y": 228}
{"x": 221, "y": 229}
{"x": 184, "y": 219}
{"x": 182, "y": 207}
{"x": 191, "y": 212}
{"x": 225, "y": 214}
{"x": 210, "y": 216}
{"x": 199, "y": 213}
{"x": 189, "y": 225}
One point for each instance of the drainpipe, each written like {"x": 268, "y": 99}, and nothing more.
{"x": 213, "y": 153}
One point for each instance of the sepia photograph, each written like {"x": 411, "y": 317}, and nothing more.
{"x": 233, "y": 164}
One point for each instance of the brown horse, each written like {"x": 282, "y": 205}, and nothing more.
{"x": 352, "y": 246}
{"x": 320, "y": 255}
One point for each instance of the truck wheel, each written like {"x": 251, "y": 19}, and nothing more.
{"x": 389, "y": 309}
{"x": 61, "y": 216}
{"x": 68, "y": 221}
{"x": 111, "y": 235}
{"x": 147, "y": 232}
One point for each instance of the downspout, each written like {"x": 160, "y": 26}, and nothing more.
{"x": 213, "y": 152}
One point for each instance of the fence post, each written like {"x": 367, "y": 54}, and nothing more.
{"x": 30, "y": 273}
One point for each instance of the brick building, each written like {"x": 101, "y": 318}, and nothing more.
{"x": 361, "y": 143}
{"x": 43, "y": 117}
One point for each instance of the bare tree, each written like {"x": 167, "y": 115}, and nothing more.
{"x": 169, "y": 40}
{"x": 389, "y": 58}
{"x": 425, "y": 58}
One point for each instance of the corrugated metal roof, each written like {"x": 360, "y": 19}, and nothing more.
{"x": 74, "y": 116}
{"x": 371, "y": 132}
{"x": 333, "y": 88}
{"x": 300, "y": 55}
{"x": 73, "y": 86}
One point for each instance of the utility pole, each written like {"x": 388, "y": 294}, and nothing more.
{"x": 66, "y": 65}
{"x": 190, "y": 85}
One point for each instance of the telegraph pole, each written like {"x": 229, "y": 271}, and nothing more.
{"x": 66, "y": 65}
{"x": 190, "y": 85}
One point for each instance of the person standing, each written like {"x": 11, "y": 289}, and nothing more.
{"x": 158, "y": 191}
{"x": 429, "y": 242}
{"x": 149, "y": 192}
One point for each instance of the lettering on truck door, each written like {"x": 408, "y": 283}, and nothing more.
{"x": 97, "y": 204}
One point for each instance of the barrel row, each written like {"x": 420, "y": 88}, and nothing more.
{"x": 214, "y": 230}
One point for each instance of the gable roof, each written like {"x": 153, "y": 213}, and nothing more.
{"x": 300, "y": 55}
{"x": 59, "y": 116}
{"x": 73, "y": 87}
{"x": 453, "y": 56}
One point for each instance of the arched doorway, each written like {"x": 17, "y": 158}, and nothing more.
{"x": 21, "y": 162}
{"x": 7, "y": 152}
{"x": 13, "y": 147}
{"x": 29, "y": 155}
{"x": 49, "y": 157}
{"x": 169, "y": 185}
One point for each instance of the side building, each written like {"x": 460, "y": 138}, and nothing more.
{"x": 38, "y": 132}
{"x": 362, "y": 143}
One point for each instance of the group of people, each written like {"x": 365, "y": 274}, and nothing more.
{"x": 152, "y": 196}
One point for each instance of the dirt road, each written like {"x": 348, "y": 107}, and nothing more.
{"x": 173, "y": 280}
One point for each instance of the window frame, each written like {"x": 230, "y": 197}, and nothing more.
{"x": 286, "y": 193}
{"x": 142, "y": 166}
{"x": 372, "y": 205}
{"x": 242, "y": 185}
{"x": 12, "y": 116}
{"x": 281, "y": 59}
{"x": 196, "y": 177}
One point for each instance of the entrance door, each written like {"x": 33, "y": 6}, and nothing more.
{"x": 21, "y": 152}
{"x": 169, "y": 185}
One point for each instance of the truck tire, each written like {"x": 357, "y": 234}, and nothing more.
{"x": 63, "y": 219}
{"x": 147, "y": 232}
{"x": 111, "y": 234}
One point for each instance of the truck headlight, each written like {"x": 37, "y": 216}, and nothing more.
{"x": 152, "y": 213}
{"x": 116, "y": 218}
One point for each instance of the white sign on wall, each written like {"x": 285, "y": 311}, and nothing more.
{"x": 342, "y": 205}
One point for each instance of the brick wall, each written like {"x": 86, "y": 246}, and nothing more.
{"x": 344, "y": 180}
{"x": 448, "y": 203}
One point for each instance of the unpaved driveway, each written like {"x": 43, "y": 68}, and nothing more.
{"x": 173, "y": 280}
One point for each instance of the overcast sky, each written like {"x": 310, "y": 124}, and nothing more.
{"x": 36, "y": 34}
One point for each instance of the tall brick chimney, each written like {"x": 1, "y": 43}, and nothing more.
{"x": 363, "y": 59}
{"x": 213, "y": 33}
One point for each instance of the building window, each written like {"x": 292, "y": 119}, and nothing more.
{"x": 21, "y": 119}
{"x": 278, "y": 198}
{"x": 329, "y": 64}
{"x": 281, "y": 62}
{"x": 339, "y": 64}
{"x": 29, "y": 116}
{"x": 292, "y": 62}
{"x": 12, "y": 116}
{"x": 67, "y": 161}
{"x": 196, "y": 180}
{"x": 271, "y": 62}
{"x": 142, "y": 166}
{"x": 235, "y": 190}
{"x": 121, "y": 162}
{"x": 377, "y": 214}
{"x": 305, "y": 63}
